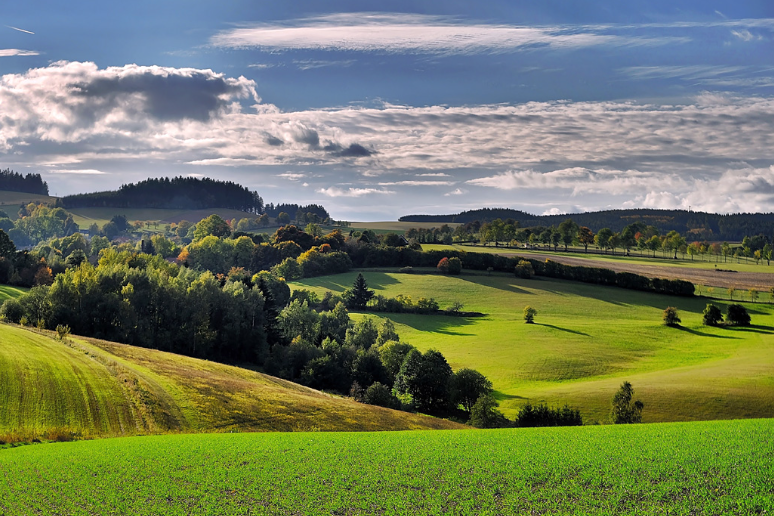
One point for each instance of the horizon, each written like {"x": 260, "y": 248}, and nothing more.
{"x": 378, "y": 111}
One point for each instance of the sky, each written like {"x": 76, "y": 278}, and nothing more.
{"x": 382, "y": 109}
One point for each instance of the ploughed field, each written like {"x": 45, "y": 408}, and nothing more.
{"x": 90, "y": 388}
{"x": 721, "y": 467}
{"x": 586, "y": 340}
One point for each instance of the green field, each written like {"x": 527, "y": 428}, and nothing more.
{"x": 686, "y": 469}
{"x": 745, "y": 265}
{"x": 96, "y": 388}
{"x": 11, "y": 201}
{"x": 8, "y": 292}
{"x": 85, "y": 217}
{"x": 587, "y": 340}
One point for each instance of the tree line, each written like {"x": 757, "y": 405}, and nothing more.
{"x": 692, "y": 224}
{"x": 28, "y": 183}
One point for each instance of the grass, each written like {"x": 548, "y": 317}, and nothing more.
{"x": 85, "y": 217}
{"x": 8, "y": 292}
{"x": 746, "y": 264}
{"x": 586, "y": 341}
{"x": 698, "y": 468}
{"x": 95, "y": 388}
{"x": 11, "y": 201}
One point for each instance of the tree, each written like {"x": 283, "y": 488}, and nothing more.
{"x": 529, "y": 314}
{"x": 585, "y": 237}
{"x": 671, "y": 317}
{"x": 7, "y": 247}
{"x": 426, "y": 379}
{"x": 625, "y": 411}
{"x": 358, "y": 296}
{"x": 380, "y": 395}
{"x": 712, "y": 315}
{"x": 737, "y": 315}
{"x": 467, "y": 386}
{"x": 455, "y": 265}
{"x": 753, "y": 293}
{"x": 212, "y": 225}
{"x": 443, "y": 266}
{"x": 484, "y": 413}
{"x": 283, "y": 218}
{"x": 524, "y": 270}
{"x": 569, "y": 230}
{"x": 602, "y": 238}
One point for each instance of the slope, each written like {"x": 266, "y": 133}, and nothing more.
{"x": 97, "y": 388}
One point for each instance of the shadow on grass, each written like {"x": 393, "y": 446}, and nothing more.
{"x": 501, "y": 396}
{"x": 563, "y": 329}
{"x": 338, "y": 283}
{"x": 753, "y": 328}
{"x": 702, "y": 334}
{"x": 444, "y": 324}
{"x": 500, "y": 283}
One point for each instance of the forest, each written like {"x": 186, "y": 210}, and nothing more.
{"x": 15, "y": 182}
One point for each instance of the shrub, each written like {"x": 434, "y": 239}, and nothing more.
{"x": 625, "y": 411}
{"x": 62, "y": 331}
{"x": 670, "y": 316}
{"x": 529, "y": 314}
{"x": 484, "y": 414}
{"x": 455, "y": 265}
{"x": 443, "y": 265}
{"x": 524, "y": 270}
{"x": 737, "y": 315}
{"x": 712, "y": 315}
{"x": 543, "y": 415}
{"x": 380, "y": 395}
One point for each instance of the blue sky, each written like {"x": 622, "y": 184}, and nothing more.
{"x": 379, "y": 109}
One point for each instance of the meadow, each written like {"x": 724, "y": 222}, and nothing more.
{"x": 11, "y": 201}
{"x": 85, "y": 217}
{"x": 90, "y": 388}
{"x": 586, "y": 341}
{"x": 8, "y": 292}
{"x": 699, "y": 468}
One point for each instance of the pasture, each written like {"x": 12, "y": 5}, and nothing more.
{"x": 586, "y": 341}
{"x": 8, "y": 292}
{"x": 11, "y": 201}
{"x": 90, "y": 388}
{"x": 85, "y": 217}
{"x": 699, "y": 468}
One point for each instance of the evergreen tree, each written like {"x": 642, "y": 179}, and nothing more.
{"x": 359, "y": 295}
{"x": 624, "y": 410}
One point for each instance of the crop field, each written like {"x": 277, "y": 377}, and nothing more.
{"x": 586, "y": 341}
{"x": 96, "y": 388}
{"x": 8, "y": 292}
{"x": 698, "y": 468}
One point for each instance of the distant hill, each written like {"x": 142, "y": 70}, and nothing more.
{"x": 14, "y": 182}
{"x": 99, "y": 388}
{"x": 190, "y": 193}
{"x": 701, "y": 225}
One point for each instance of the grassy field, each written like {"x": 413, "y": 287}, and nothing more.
{"x": 8, "y": 292}
{"x": 697, "y": 468}
{"x": 85, "y": 217}
{"x": 746, "y": 264}
{"x": 587, "y": 340}
{"x": 96, "y": 388}
{"x": 11, "y": 201}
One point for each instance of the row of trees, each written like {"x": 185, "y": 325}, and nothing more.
{"x": 15, "y": 182}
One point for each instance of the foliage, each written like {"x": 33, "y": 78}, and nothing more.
{"x": 625, "y": 410}
{"x": 15, "y": 182}
{"x": 543, "y": 415}
{"x": 524, "y": 270}
{"x": 712, "y": 316}
{"x": 62, "y": 331}
{"x": 359, "y": 295}
{"x": 484, "y": 413}
{"x": 529, "y": 314}
{"x": 455, "y": 265}
{"x": 213, "y": 225}
{"x": 466, "y": 386}
{"x": 425, "y": 377}
{"x": 671, "y": 317}
{"x": 443, "y": 265}
{"x": 737, "y": 315}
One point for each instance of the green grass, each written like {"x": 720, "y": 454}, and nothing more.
{"x": 85, "y": 217}
{"x": 587, "y": 340}
{"x": 697, "y": 469}
{"x": 8, "y": 292}
{"x": 96, "y": 388}
{"x": 11, "y": 201}
{"x": 745, "y": 265}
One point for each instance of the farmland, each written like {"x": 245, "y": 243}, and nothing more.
{"x": 95, "y": 388}
{"x": 8, "y": 292}
{"x": 698, "y": 468}
{"x": 587, "y": 340}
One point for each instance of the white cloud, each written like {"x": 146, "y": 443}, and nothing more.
{"x": 292, "y": 176}
{"x": 456, "y": 191}
{"x": 746, "y": 35}
{"x": 85, "y": 171}
{"x": 10, "y": 52}
{"x": 414, "y": 33}
{"x": 434, "y": 174}
{"x": 352, "y": 192}
{"x": 418, "y": 183}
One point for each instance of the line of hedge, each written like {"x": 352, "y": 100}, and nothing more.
{"x": 369, "y": 255}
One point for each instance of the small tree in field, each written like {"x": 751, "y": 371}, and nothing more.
{"x": 731, "y": 292}
{"x": 737, "y": 315}
{"x": 62, "y": 332}
{"x": 358, "y": 296}
{"x": 753, "y": 293}
{"x": 529, "y": 314}
{"x": 443, "y": 266}
{"x": 455, "y": 265}
{"x": 670, "y": 316}
{"x": 625, "y": 411}
{"x": 712, "y": 315}
{"x": 524, "y": 270}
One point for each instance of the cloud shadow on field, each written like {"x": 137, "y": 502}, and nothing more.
{"x": 498, "y": 285}
{"x": 501, "y": 396}
{"x": 444, "y": 324}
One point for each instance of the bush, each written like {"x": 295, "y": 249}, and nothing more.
{"x": 12, "y": 311}
{"x": 62, "y": 331}
{"x": 484, "y": 414}
{"x": 737, "y": 315}
{"x": 543, "y": 415}
{"x": 712, "y": 315}
{"x": 524, "y": 270}
{"x": 670, "y": 316}
{"x": 529, "y": 314}
{"x": 443, "y": 265}
{"x": 455, "y": 265}
{"x": 380, "y": 395}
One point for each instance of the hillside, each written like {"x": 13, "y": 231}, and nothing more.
{"x": 586, "y": 341}
{"x": 712, "y": 226}
{"x": 98, "y": 388}
{"x": 11, "y": 201}
{"x": 698, "y": 468}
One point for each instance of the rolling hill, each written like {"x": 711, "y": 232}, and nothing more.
{"x": 95, "y": 388}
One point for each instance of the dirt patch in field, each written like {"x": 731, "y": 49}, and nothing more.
{"x": 709, "y": 277}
